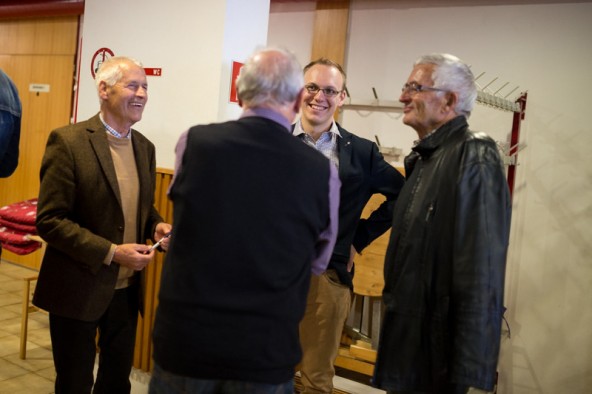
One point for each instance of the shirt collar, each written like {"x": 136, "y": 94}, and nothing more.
{"x": 114, "y": 132}
{"x": 425, "y": 137}
{"x": 267, "y": 113}
{"x": 298, "y": 130}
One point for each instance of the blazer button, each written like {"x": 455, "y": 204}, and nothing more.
{"x": 120, "y": 228}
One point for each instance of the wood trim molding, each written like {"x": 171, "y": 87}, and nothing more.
{"x": 331, "y": 25}
{"x": 29, "y": 9}
{"x": 143, "y": 350}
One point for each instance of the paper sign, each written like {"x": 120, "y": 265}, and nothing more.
{"x": 236, "y": 66}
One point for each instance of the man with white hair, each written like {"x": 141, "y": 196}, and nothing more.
{"x": 255, "y": 213}
{"x": 96, "y": 211}
{"x": 445, "y": 262}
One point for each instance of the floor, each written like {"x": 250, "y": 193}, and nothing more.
{"x": 36, "y": 374}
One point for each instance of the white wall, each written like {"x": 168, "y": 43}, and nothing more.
{"x": 291, "y": 26}
{"x": 194, "y": 42}
{"x": 545, "y": 50}
{"x": 246, "y": 29}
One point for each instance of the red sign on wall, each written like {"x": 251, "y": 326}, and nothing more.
{"x": 98, "y": 58}
{"x": 236, "y": 66}
{"x": 153, "y": 72}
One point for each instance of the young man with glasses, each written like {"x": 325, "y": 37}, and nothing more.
{"x": 363, "y": 172}
{"x": 445, "y": 263}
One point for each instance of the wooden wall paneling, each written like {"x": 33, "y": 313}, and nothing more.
{"x": 330, "y": 30}
{"x": 366, "y": 313}
{"x": 37, "y": 51}
{"x": 13, "y": 9}
{"x": 143, "y": 351}
{"x": 17, "y": 36}
{"x": 55, "y": 36}
{"x": 331, "y": 25}
{"x": 369, "y": 277}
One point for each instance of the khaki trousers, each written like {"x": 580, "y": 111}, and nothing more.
{"x": 327, "y": 307}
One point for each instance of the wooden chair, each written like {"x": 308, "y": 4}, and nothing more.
{"x": 26, "y": 309}
{"x": 360, "y": 338}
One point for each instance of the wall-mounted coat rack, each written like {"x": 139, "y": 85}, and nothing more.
{"x": 495, "y": 99}
{"x": 484, "y": 96}
{"x": 375, "y": 104}
{"x": 515, "y": 145}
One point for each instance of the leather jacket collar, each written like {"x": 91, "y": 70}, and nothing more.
{"x": 426, "y": 147}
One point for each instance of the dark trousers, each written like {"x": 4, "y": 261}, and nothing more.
{"x": 164, "y": 382}
{"x": 74, "y": 347}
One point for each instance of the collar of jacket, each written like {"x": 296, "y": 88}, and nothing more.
{"x": 427, "y": 146}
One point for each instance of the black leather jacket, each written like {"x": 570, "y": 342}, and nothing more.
{"x": 445, "y": 266}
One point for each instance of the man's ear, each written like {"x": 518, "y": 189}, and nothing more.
{"x": 103, "y": 94}
{"x": 238, "y": 98}
{"x": 298, "y": 102}
{"x": 341, "y": 98}
{"x": 451, "y": 101}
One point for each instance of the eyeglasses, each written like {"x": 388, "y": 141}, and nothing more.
{"x": 413, "y": 88}
{"x": 328, "y": 92}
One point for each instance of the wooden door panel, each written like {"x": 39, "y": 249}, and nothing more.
{"x": 39, "y": 36}
{"x": 37, "y": 51}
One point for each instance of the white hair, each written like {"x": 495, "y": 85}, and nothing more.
{"x": 452, "y": 74}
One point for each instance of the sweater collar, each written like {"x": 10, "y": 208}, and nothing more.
{"x": 267, "y": 114}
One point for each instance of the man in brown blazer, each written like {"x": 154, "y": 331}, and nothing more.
{"x": 96, "y": 211}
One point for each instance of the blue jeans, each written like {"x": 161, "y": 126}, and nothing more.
{"x": 164, "y": 382}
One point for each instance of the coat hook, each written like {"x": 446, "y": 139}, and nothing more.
{"x": 503, "y": 86}
{"x": 492, "y": 81}
{"x": 512, "y": 91}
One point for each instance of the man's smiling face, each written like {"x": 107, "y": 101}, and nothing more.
{"x": 317, "y": 108}
{"x": 123, "y": 103}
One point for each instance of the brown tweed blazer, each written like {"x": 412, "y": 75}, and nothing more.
{"x": 79, "y": 215}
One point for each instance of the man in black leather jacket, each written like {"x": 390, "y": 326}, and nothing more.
{"x": 445, "y": 263}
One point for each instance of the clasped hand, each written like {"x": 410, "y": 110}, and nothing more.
{"x": 138, "y": 256}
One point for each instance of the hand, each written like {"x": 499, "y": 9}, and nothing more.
{"x": 161, "y": 229}
{"x": 352, "y": 254}
{"x": 134, "y": 256}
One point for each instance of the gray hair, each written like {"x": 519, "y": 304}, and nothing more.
{"x": 264, "y": 82}
{"x": 452, "y": 74}
{"x": 111, "y": 70}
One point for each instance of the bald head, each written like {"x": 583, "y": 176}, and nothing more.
{"x": 270, "y": 77}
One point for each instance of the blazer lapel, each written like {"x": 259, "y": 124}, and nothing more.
{"x": 345, "y": 152}
{"x": 98, "y": 140}
{"x": 142, "y": 164}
